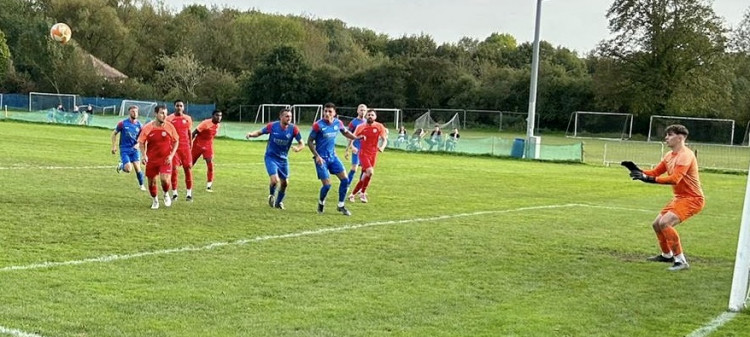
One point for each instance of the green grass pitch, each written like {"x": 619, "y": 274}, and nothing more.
{"x": 447, "y": 246}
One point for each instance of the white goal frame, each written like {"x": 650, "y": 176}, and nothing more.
{"x": 126, "y": 103}
{"x": 627, "y": 132}
{"x": 68, "y": 108}
{"x": 297, "y": 107}
{"x": 738, "y": 296}
{"x": 261, "y": 114}
{"x": 396, "y": 115}
{"x": 651, "y": 122}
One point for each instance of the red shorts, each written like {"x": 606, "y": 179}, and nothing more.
{"x": 183, "y": 157}
{"x": 207, "y": 151}
{"x": 157, "y": 167}
{"x": 367, "y": 160}
{"x": 684, "y": 208}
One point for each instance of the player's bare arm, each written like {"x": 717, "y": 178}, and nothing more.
{"x": 299, "y": 147}
{"x": 114, "y": 141}
{"x": 311, "y": 144}
{"x": 174, "y": 150}
{"x": 253, "y": 134}
{"x": 384, "y": 143}
{"x": 142, "y": 146}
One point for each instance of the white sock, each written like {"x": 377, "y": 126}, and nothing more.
{"x": 341, "y": 204}
{"x": 680, "y": 258}
{"x": 174, "y": 192}
{"x": 667, "y": 255}
{"x": 208, "y": 184}
{"x": 156, "y": 199}
{"x": 189, "y": 192}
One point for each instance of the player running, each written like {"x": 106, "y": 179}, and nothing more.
{"x": 129, "y": 130}
{"x": 159, "y": 143}
{"x": 354, "y": 145}
{"x": 182, "y": 122}
{"x": 280, "y": 135}
{"x": 322, "y": 142}
{"x": 203, "y": 145}
{"x": 373, "y": 132}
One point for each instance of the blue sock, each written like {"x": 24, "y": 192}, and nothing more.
{"x": 324, "y": 192}
{"x": 280, "y": 198}
{"x": 342, "y": 189}
{"x": 139, "y": 175}
{"x": 272, "y": 189}
{"x": 351, "y": 174}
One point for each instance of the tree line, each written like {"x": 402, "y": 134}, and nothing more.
{"x": 665, "y": 57}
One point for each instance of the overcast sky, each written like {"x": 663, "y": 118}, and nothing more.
{"x": 575, "y": 24}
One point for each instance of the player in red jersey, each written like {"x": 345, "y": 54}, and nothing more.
{"x": 158, "y": 142}
{"x": 182, "y": 122}
{"x": 203, "y": 144}
{"x": 370, "y": 145}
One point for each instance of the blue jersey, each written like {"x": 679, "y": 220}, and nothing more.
{"x": 324, "y": 135}
{"x": 129, "y": 132}
{"x": 353, "y": 126}
{"x": 280, "y": 139}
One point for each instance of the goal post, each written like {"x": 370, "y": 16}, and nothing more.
{"x": 738, "y": 296}
{"x": 702, "y": 130}
{"x": 145, "y": 108}
{"x": 44, "y": 101}
{"x": 602, "y": 125}
{"x": 266, "y": 112}
{"x": 396, "y": 116}
{"x": 427, "y": 122}
{"x": 304, "y": 113}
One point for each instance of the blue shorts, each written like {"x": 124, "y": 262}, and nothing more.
{"x": 277, "y": 166}
{"x": 355, "y": 158}
{"x": 129, "y": 155}
{"x": 330, "y": 164}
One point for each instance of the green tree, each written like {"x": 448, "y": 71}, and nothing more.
{"x": 5, "y": 58}
{"x": 665, "y": 52}
{"x": 282, "y": 78}
{"x": 180, "y": 76}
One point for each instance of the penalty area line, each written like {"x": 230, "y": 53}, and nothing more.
{"x": 116, "y": 257}
{"x": 712, "y": 326}
{"x": 16, "y": 333}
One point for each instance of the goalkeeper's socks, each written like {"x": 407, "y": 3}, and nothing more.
{"x": 680, "y": 258}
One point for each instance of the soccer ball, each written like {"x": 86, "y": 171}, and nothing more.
{"x": 60, "y": 32}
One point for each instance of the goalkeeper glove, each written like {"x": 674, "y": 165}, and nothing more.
{"x": 638, "y": 175}
{"x": 630, "y": 166}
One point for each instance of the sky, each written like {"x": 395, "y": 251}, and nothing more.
{"x": 576, "y": 24}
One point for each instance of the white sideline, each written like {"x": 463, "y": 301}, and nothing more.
{"x": 110, "y": 258}
{"x": 713, "y": 325}
{"x": 16, "y": 333}
{"x": 111, "y": 167}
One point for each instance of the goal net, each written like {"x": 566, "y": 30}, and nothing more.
{"x": 145, "y": 108}
{"x": 740, "y": 293}
{"x": 306, "y": 113}
{"x": 604, "y": 125}
{"x": 389, "y": 116}
{"x": 269, "y": 112}
{"x": 39, "y": 101}
{"x": 426, "y": 122}
{"x": 702, "y": 130}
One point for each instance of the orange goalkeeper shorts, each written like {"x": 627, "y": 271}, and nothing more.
{"x": 684, "y": 208}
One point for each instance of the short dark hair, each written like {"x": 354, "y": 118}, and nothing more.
{"x": 159, "y": 107}
{"x": 677, "y": 129}
{"x": 284, "y": 109}
{"x": 216, "y": 112}
{"x": 330, "y": 105}
{"x": 178, "y": 101}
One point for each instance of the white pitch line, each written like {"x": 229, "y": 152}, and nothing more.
{"x": 713, "y": 325}
{"x": 98, "y": 167}
{"x": 16, "y": 333}
{"x": 111, "y": 258}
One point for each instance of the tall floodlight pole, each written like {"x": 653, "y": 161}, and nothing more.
{"x": 534, "y": 75}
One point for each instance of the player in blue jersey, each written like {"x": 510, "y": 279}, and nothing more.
{"x": 354, "y": 145}
{"x": 322, "y": 142}
{"x": 129, "y": 129}
{"x": 280, "y": 135}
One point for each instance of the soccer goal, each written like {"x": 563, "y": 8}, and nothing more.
{"x": 702, "y": 130}
{"x": 306, "y": 113}
{"x": 602, "y": 125}
{"x": 39, "y": 101}
{"x": 145, "y": 108}
{"x": 268, "y": 112}
{"x": 426, "y": 122}
{"x": 385, "y": 114}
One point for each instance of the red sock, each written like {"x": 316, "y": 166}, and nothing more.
{"x": 164, "y": 186}
{"x": 174, "y": 178}
{"x": 673, "y": 240}
{"x": 188, "y": 177}
{"x": 358, "y": 187}
{"x": 210, "y": 173}
{"x": 152, "y": 188}
{"x": 663, "y": 242}
{"x": 365, "y": 183}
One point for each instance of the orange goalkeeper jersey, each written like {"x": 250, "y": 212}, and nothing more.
{"x": 682, "y": 173}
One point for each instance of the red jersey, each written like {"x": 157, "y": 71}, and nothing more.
{"x": 182, "y": 124}
{"x": 372, "y": 133}
{"x": 158, "y": 140}
{"x": 207, "y": 131}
